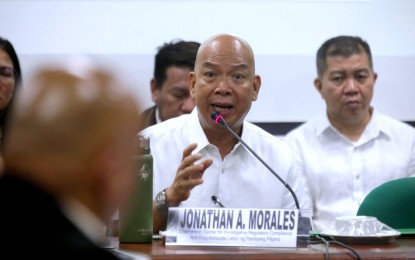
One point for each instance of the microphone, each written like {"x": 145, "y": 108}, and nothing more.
{"x": 217, "y": 201}
{"x": 304, "y": 223}
{"x": 218, "y": 118}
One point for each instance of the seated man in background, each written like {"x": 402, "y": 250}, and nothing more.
{"x": 169, "y": 86}
{"x": 195, "y": 158}
{"x": 352, "y": 148}
{"x": 169, "y": 91}
{"x": 68, "y": 163}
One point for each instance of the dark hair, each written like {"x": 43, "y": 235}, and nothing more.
{"x": 6, "y": 46}
{"x": 180, "y": 53}
{"x": 344, "y": 46}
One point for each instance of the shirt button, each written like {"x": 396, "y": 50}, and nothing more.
{"x": 357, "y": 177}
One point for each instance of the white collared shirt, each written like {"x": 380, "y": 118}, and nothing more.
{"x": 340, "y": 173}
{"x": 240, "y": 180}
{"x": 157, "y": 113}
{"x": 85, "y": 220}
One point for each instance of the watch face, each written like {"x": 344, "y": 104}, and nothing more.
{"x": 161, "y": 199}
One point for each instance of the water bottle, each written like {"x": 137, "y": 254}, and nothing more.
{"x": 136, "y": 220}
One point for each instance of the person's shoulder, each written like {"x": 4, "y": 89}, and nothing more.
{"x": 254, "y": 130}
{"x": 10, "y": 183}
{"x": 149, "y": 111}
{"x": 166, "y": 128}
{"x": 148, "y": 117}
{"x": 392, "y": 121}
{"x": 260, "y": 136}
{"x": 271, "y": 146}
{"x": 393, "y": 125}
{"x": 308, "y": 128}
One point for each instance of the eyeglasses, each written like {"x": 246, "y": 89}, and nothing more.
{"x": 7, "y": 75}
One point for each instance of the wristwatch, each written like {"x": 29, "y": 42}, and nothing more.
{"x": 161, "y": 201}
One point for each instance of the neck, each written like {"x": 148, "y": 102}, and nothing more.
{"x": 222, "y": 139}
{"x": 352, "y": 129}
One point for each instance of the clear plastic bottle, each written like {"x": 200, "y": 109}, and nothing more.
{"x": 136, "y": 221}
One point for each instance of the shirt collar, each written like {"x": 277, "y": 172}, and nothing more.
{"x": 157, "y": 114}
{"x": 85, "y": 220}
{"x": 375, "y": 128}
{"x": 323, "y": 124}
{"x": 372, "y": 130}
{"x": 197, "y": 133}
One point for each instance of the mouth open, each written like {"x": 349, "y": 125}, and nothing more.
{"x": 222, "y": 109}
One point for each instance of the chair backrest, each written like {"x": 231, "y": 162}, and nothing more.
{"x": 392, "y": 203}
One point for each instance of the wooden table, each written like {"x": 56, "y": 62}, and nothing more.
{"x": 401, "y": 248}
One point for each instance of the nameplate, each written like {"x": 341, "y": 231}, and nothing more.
{"x": 232, "y": 227}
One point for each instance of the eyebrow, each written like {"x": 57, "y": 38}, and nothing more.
{"x": 213, "y": 65}
{"x": 354, "y": 71}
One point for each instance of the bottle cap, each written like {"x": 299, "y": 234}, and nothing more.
{"x": 143, "y": 142}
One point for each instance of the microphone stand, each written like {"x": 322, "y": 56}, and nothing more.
{"x": 218, "y": 118}
{"x": 304, "y": 223}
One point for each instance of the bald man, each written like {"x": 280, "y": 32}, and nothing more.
{"x": 68, "y": 163}
{"x": 195, "y": 158}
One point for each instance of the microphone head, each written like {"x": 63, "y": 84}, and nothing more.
{"x": 214, "y": 115}
{"x": 218, "y": 118}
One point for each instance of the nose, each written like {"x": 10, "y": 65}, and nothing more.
{"x": 351, "y": 86}
{"x": 188, "y": 105}
{"x": 223, "y": 86}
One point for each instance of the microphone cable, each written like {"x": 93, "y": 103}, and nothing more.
{"x": 327, "y": 246}
{"x": 333, "y": 241}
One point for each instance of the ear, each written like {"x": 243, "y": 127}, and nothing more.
{"x": 375, "y": 76}
{"x": 154, "y": 90}
{"x": 256, "y": 86}
{"x": 318, "y": 85}
{"x": 192, "y": 81}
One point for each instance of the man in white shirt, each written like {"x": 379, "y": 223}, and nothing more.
{"x": 195, "y": 158}
{"x": 352, "y": 148}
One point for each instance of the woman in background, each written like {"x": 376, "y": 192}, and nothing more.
{"x": 10, "y": 80}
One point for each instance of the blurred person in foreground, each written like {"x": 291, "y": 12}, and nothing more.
{"x": 68, "y": 163}
{"x": 169, "y": 86}
{"x": 351, "y": 148}
{"x": 10, "y": 81}
{"x": 195, "y": 158}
